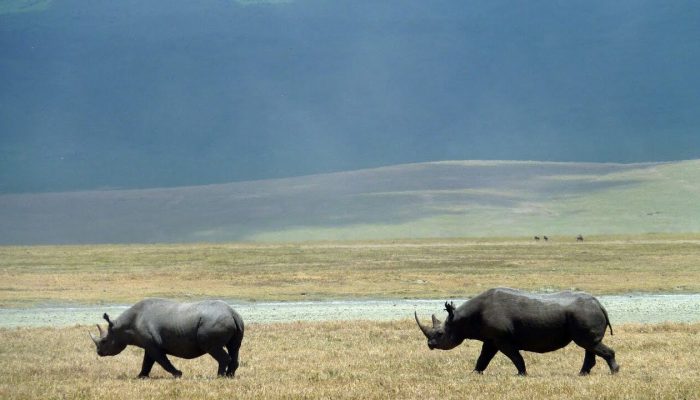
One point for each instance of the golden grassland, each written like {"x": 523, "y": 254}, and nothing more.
{"x": 351, "y": 360}
{"x": 444, "y": 268}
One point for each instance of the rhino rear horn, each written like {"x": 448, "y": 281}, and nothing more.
{"x": 436, "y": 322}
{"x": 99, "y": 328}
{"x": 426, "y": 331}
{"x": 94, "y": 339}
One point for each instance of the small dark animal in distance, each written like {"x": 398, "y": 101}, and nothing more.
{"x": 186, "y": 330}
{"x": 537, "y": 238}
{"x": 509, "y": 320}
{"x": 545, "y": 238}
{"x": 579, "y": 238}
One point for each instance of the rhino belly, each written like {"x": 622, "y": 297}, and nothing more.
{"x": 541, "y": 339}
{"x": 181, "y": 344}
{"x": 184, "y": 350}
{"x": 545, "y": 344}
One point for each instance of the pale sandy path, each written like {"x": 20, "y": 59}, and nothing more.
{"x": 633, "y": 308}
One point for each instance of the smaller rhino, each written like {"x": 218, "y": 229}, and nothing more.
{"x": 187, "y": 330}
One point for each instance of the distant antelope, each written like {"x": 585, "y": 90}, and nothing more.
{"x": 537, "y": 238}
{"x": 579, "y": 238}
{"x": 545, "y": 238}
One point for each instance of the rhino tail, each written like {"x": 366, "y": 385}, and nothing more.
{"x": 607, "y": 319}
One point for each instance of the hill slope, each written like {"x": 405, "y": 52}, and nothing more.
{"x": 440, "y": 199}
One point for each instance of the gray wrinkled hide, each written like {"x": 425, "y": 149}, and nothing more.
{"x": 509, "y": 320}
{"x": 186, "y": 330}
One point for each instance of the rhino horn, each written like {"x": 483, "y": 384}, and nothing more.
{"x": 99, "y": 328}
{"x": 426, "y": 331}
{"x": 94, "y": 339}
{"x": 436, "y": 322}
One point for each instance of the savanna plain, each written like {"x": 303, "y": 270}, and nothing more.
{"x": 348, "y": 359}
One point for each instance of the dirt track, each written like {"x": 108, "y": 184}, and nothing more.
{"x": 621, "y": 308}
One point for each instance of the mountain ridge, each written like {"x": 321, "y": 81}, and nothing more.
{"x": 135, "y": 94}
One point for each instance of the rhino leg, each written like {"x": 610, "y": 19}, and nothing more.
{"x": 146, "y": 366}
{"x": 222, "y": 358}
{"x": 608, "y": 355}
{"x": 158, "y": 356}
{"x": 488, "y": 350}
{"x": 588, "y": 363}
{"x": 511, "y": 352}
{"x": 233, "y": 347}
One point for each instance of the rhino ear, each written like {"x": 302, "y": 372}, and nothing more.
{"x": 106, "y": 317}
{"x": 450, "y": 308}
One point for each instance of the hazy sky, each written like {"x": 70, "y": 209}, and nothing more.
{"x": 122, "y": 94}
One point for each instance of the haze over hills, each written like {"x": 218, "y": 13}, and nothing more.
{"x": 244, "y": 113}
{"x": 166, "y": 93}
{"x": 438, "y": 199}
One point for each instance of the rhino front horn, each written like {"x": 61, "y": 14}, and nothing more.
{"x": 426, "y": 331}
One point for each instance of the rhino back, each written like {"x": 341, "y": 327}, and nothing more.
{"x": 540, "y": 322}
{"x": 185, "y": 330}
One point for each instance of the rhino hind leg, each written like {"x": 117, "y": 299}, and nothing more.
{"x": 608, "y": 355}
{"x": 233, "y": 346}
{"x": 220, "y": 355}
{"x": 588, "y": 363}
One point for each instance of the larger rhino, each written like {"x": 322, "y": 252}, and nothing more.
{"x": 509, "y": 320}
{"x": 186, "y": 330}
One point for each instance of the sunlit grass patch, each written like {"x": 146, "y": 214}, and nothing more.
{"x": 449, "y": 268}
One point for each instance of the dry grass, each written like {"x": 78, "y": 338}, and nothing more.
{"x": 390, "y": 269}
{"x": 348, "y": 359}
{"x": 387, "y": 360}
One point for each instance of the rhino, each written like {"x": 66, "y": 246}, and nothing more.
{"x": 164, "y": 327}
{"x": 510, "y": 320}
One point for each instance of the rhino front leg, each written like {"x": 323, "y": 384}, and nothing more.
{"x": 511, "y": 352}
{"x": 146, "y": 366}
{"x": 488, "y": 350}
{"x": 160, "y": 357}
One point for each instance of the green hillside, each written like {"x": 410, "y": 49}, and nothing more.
{"x": 440, "y": 199}
{"x": 663, "y": 198}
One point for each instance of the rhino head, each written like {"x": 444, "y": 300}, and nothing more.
{"x": 442, "y": 335}
{"x": 108, "y": 344}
